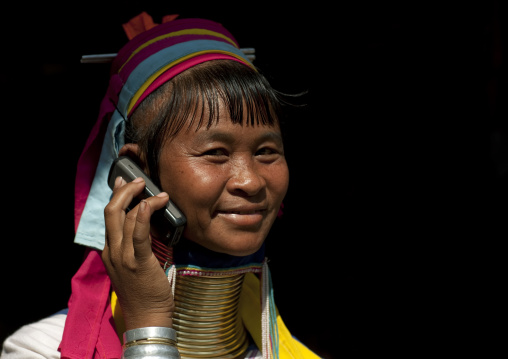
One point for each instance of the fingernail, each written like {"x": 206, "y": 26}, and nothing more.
{"x": 118, "y": 181}
{"x": 162, "y": 194}
{"x": 138, "y": 179}
{"x": 142, "y": 206}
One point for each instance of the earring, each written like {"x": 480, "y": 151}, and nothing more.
{"x": 280, "y": 213}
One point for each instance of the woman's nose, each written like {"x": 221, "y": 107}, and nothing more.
{"x": 245, "y": 178}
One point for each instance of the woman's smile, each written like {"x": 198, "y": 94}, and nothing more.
{"x": 229, "y": 180}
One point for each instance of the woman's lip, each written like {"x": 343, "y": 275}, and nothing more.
{"x": 242, "y": 217}
{"x": 234, "y": 211}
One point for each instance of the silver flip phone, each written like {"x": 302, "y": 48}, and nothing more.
{"x": 126, "y": 168}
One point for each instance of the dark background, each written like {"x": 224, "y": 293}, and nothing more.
{"x": 391, "y": 238}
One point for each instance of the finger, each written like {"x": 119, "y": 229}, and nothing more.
{"x": 141, "y": 233}
{"x": 119, "y": 182}
{"x": 114, "y": 213}
{"x": 129, "y": 224}
{"x": 124, "y": 192}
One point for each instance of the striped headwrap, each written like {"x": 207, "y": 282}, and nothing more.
{"x": 155, "y": 56}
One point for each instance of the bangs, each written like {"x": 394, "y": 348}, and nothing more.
{"x": 198, "y": 95}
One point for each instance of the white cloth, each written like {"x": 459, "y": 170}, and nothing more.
{"x": 41, "y": 340}
{"x": 36, "y": 340}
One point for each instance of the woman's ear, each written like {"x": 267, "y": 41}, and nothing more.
{"x": 133, "y": 151}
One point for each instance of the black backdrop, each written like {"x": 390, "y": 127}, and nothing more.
{"x": 390, "y": 242}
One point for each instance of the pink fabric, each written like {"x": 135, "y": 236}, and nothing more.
{"x": 175, "y": 70}
{"x": 89, "y": 327}
{"x": 89, "y": 317}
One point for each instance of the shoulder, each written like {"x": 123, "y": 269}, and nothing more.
{"x": 40, "y": 339}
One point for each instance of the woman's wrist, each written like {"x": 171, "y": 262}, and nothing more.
{"x": 141, "y": 316}
{"x": 150, "y": 342}
{"x": 147, "y": 320}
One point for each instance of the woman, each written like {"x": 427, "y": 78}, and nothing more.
{"x": 187, "y": 106}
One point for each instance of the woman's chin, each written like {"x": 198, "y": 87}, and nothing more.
{"x": 233, "y": 248}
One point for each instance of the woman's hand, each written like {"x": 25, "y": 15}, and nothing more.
{"x": 143, "y": 290}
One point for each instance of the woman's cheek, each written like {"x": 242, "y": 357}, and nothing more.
{"x": 195, "y": 190}
{"x": 280, "y": 181}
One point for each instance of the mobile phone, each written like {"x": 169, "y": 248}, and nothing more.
{"x": 173, "y": 218}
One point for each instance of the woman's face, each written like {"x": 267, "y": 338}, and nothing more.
{"x": 229, "y": 181}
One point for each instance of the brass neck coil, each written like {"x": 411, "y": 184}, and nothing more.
{"x": 206, "y": 317}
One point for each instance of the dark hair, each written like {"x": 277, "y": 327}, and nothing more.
{"x": 197, "y": 93}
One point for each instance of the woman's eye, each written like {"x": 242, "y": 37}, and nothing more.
{"x": 265, "y": 151}
{"x": 216, "y": 152}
